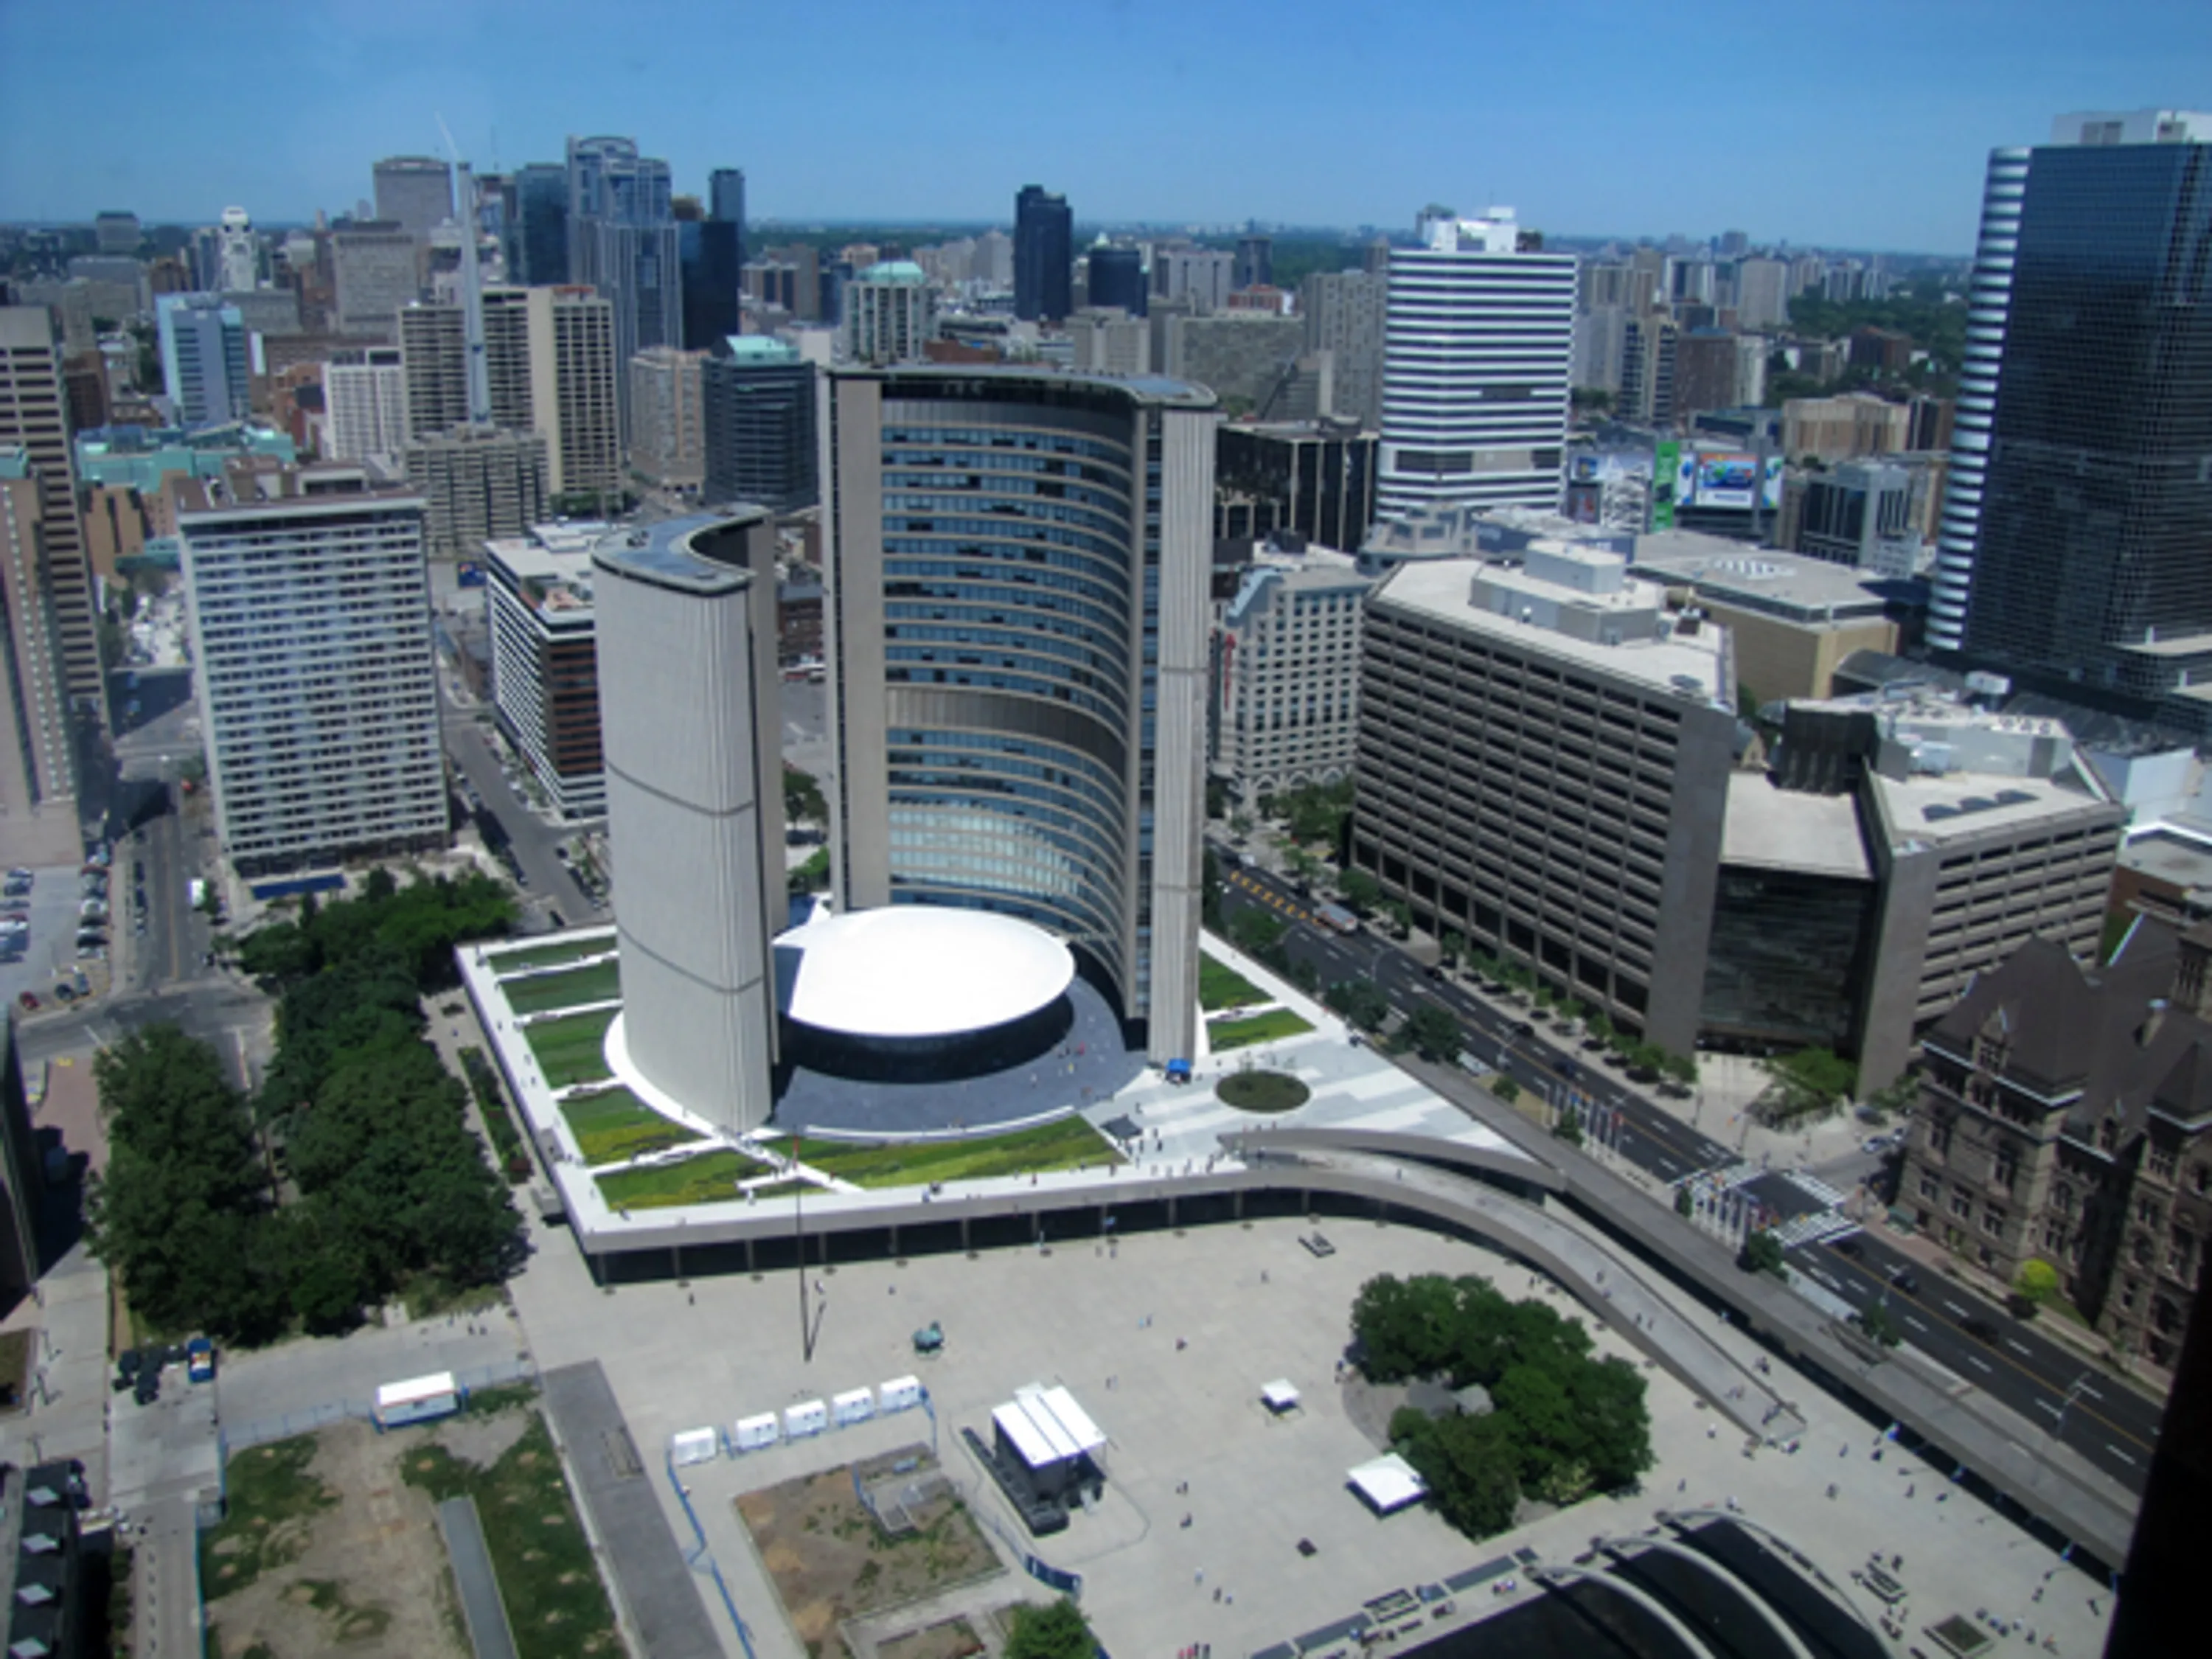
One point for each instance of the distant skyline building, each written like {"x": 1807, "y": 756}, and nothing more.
{"x": 713, "y": 258}
{"x": 317, "y": 686}
{"x": 204, "y": 362}
{"x": 1033, "y": 749}
{"x": 538, "y": 235}
{"x": 624, "y": 240}
{"x": 1204, "y": 275}
{"x": 415, "y": 192}
{"x": 239, "y": 251}
{"x": 571, "y": 331}
{"x": 757, "y": 406}
{"x": 890, "y": 314}
{"x": 1255, "y": 260}
{"x": 375, "y": 269}
{"x": 1343, "y": 312}
{"x": 1044, "y": 255}
{"x": 117, "y": 232}
{"x": 365, "y": 402}
{"x": 1117, "y": 279}
{"x": 668, "y": 444}
{"x": 1477, "y": 348}
{"x": 2073, "y": 550}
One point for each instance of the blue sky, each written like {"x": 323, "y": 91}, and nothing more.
{"x": 1863, "y": 125}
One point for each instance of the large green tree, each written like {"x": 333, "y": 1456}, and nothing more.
{"x": 1471, "y": 1466}
{"x": 1056, "y": 1630}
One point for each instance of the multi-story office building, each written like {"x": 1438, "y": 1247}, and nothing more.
{"x": 624, "y": 240}
{"x": 538, "y": 234}
{"x": 1117, "y": 278}
{"x": 714, "y": 263}
{"x": 318, "y": 684}
{"x": 1102, "y": 341}
{"x": 668, "y": 439}
{"x": 117, "y": 232}
{"x": 204, "y": 366}
{"x": 365, "y": 402}
{"x": 571, "y": 331}
{"x": 1203, "y": 277}
{"x": 1843, "y": 428}
{"x": 2075, "y": 526}
{"x": 1035, "y": 747}
{"x": 890, "y": 314}
{"x": 476, "y": 482}
{"x": 38, "y": 734}
{"x": 2062, "y": 1119}
{"x": 1480, "y": 339}
{"x": 1286, "y": 666}
{"x": 1648, "y": 347}
{"x": 1864, "y": 513}
{"x": 415, "y": 192}
{"x": 687, "y": 662}
{"x": 433, "y": 339}
{"x": 1243, "y": 355}
{"x": 1313, "y": 478}
{"x": 375, "y": 270}
{"x": 1343, "y": 312}
{"x": 33, "y": 417}
{"x": 756, "y": 407}
{"x": 1044, "y": 256}
{"x": 1543, "y": 764}
{"x": 544, "y": 652}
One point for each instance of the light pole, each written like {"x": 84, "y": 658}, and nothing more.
{"x": 2080, "y": 1386}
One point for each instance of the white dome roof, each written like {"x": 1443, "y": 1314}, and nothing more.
{"x": 918, "y": 970}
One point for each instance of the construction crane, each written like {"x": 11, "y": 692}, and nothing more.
{"x": 472, "y": 322}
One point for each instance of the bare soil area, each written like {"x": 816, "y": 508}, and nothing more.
{"x": 831, "y": 1560}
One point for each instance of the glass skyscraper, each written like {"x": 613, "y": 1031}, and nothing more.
{"x": 2077, "y": 542}
{"x": 1044, "y": 256}
{"x": 538, "y": 235}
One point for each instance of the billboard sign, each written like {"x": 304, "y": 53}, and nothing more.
{"x": 1719, "y": 478}
{"x": 1669, "y": 474}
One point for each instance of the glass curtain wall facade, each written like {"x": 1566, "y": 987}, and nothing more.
{"x": 2075, "y": 528}
{"x": 1018, "y": 595}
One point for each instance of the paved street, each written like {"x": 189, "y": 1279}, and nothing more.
{"x": 550, "y": 887}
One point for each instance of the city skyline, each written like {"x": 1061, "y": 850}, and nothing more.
{"x": 1588, "y": 119}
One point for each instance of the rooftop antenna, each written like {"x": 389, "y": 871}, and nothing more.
{"x": 472, "y": 326}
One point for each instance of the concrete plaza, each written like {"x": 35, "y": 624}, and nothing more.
{"x": 1165, "y": 1339}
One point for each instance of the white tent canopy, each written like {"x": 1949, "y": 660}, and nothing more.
{"x": 1281, "y": 1396}
{"x": 1047, "y": 1427}
{"x": 1388, "y": 1483}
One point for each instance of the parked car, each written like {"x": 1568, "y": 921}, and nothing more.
{"x": 30, "y": 1000}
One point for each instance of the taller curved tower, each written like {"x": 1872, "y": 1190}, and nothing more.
{"x": 1017, "y": 567}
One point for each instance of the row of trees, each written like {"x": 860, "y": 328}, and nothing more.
{"x": 1562, "y": 1422}
{"x": 351, "y": 1176}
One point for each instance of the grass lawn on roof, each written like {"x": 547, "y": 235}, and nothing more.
{"x": 545, "y": 955}
{"x": 577, "y": 988}
{"x": 571, "y": 1050}
{"x": 615, "y": 1124}
{"x": 710, "y": 1178}
{"x": 1066, "y": 1143}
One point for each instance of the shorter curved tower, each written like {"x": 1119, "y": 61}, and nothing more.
{"x": 690, "y": 722}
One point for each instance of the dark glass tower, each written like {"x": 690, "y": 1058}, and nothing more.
{"x": 1117, "y": 278}
{"x": 538, "y": 233}
{"x": 1044, "y": 254}
{"x": 2076, "y": 550}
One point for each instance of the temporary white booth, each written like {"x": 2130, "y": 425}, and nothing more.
{"x": 751, "y": 1433}
{"x": 1388, "y": 1483}
{"x": 695, "y": 1446}
{"x": 799, "y": 1421}
{"x": 854, "y": 1405}
{"x": 901, "y": 1394}
{"x": 417, "y": 1399}
{"x": 1279, "y": 1395}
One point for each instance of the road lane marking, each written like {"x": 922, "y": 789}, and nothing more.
{"x": 2122, "y": 1455}
{"x": 1979, "y": 1364}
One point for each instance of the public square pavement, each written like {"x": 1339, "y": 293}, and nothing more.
{"x": 1165, "y": 1339}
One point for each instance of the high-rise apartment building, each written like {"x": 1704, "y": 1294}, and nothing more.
{"x": 375, "y": 270}
{"x": 364, "y": 403}
{"x": 1343, "y": 312}
{"x": 980, "y": 765}
{"x": 1044, "y": 256}
{"x": 1762, "y": 293}
{"x": 2079, "y": 505}
{"x": 318, "y": 686}
{"x": 204, "y": 365}
{"x": 35, "y": 417}
{"x": 1255, "y": 260}
{"x": 538, "y": 235}
{"x": 756, "y": 398}
{"x": 433, "y": 339}
{"x": 1648, "y": 348}
{"x": 415, "y": 192}
{"x": 476, "y": 482}
{"x": 1478, "y": 343}
{"x": 667, "y": 426}
{"x": 38, "y": 735}
{"x": 890, "y": 314}
{"x": 573, "y": 399}
{"x": 1287, "y": 666}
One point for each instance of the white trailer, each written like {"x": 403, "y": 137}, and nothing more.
{"x": 419, "y": 1399}
{"x": 856, "y": 1405}
{"x": 752, "y": 1433}
{"x": 799, "y": 1421}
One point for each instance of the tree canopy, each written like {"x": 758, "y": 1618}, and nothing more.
{"x": 422, "y": 922}
{"x": 1054, "y": 1631}
{"x": 1562, "y": 1422}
